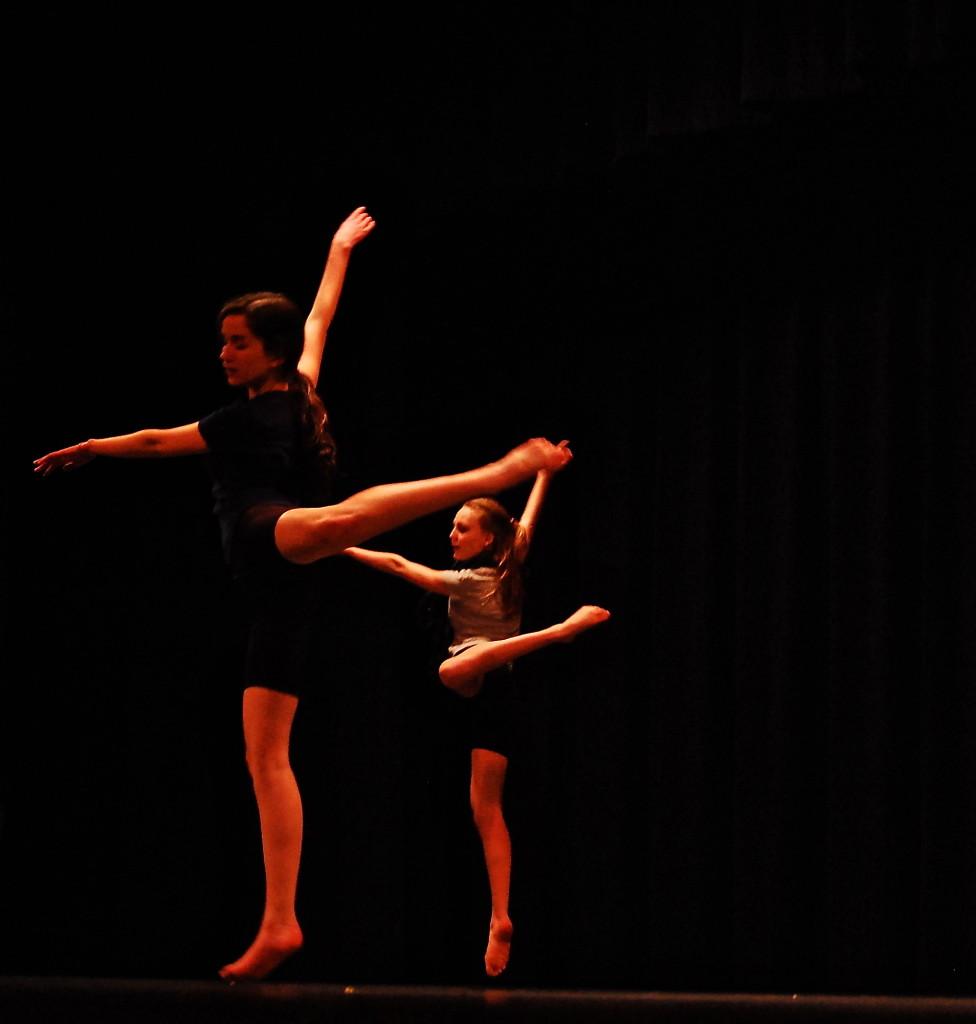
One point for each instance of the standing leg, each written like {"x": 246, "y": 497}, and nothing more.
{"x": 268, "y": 717}
{"x": 464, "y": 672}
{"x": 307, "y": 534}
{"x": 487, "y": 783}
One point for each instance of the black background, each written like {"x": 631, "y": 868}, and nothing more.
{"x": 726, "y": 250}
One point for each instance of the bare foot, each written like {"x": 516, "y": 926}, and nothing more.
{"x": 267, "y": 951}
{"x": 539, "y": 454}
{"x": 583, "y": 618}
{"x": 499, "y": 945}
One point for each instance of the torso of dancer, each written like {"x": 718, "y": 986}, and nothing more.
{"x": 271, "y": 458}
{"x": 484, "y": 592}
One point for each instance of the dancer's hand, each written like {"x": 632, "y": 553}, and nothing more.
{"x": 65, "y": 458}
{"x": 542, "y": 455}
{"x": 354, "y": 228}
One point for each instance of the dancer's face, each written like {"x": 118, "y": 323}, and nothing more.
{"x": 468, "y": 537}
{"x": 242, "y": 355}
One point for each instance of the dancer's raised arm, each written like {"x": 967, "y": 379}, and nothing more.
{"x": 533, "y": 505}
{"x": 143, "y": 444}
{"x": 349, "y": 234}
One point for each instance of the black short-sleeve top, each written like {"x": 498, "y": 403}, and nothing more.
{"x": 257, "y": 455}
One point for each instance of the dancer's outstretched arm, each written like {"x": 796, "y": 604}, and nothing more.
{"x": 143, "y": 444}
{"x": 349, "y": 234}
{"x": 413, "y": 572}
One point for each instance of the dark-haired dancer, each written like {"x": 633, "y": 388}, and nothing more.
{"x": 484, "y": 592}
{"x": 271, "y": 457}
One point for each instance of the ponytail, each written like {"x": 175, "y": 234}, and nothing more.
{"x": 317, "y": 438}
{"x": 506, "y": 550}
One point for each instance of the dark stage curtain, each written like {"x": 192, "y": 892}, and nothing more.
{"x": 727, "y": 250}
{"x": 790, "y": 294}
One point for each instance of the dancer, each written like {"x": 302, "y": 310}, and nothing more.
{"x": 484, "y": 593}
{"x": 272, "y": 458}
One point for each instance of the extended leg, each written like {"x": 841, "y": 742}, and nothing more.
{"x": 487, "y": 783}
{"x": 464, "y": 672}
{"x": 308, "y": 534}
{"x": 268, "y": 717}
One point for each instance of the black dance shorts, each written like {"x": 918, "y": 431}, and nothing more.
{"x": 282, "y": 602}
{"x": 493, "y": 713}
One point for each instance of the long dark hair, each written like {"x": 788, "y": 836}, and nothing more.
{"x": 280, "y": 325}
{"x": 507, "y": 549}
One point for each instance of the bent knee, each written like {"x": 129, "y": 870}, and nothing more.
{"x": 449, "y": 673}
{"x": 457, "y": 676}
{"x": 305, "y": 535}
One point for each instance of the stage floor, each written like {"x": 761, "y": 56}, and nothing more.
{"x": 40, "y": 1000}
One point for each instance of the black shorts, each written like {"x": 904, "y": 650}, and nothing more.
{"x": 493, "y": 713}
{"x": 282, "y": 602}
